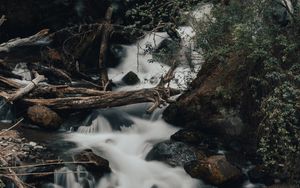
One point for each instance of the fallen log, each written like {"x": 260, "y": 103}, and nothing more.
{"x": 106, "y": 100}
{"x": 63, "y": 91}
{"x": 159, "y": 95}
{"x": 38, "y": 39}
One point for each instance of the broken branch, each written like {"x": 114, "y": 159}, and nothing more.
{"x": 23, "y": 91}
{"x": 2, "y": 19}
{"x": 38, "y": 39}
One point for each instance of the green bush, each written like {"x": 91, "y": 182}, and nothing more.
{"x": 265, "y": 35}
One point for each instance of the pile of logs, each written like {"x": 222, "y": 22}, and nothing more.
{"x": 56, "y": 61}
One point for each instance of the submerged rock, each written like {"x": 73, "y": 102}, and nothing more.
{"x": 174, "y": 153}
{"x": 44, "y": 117}
{"x": 97, "y": 165}
{"x": 215, "y": 170}
{"x": 131, "y": 78}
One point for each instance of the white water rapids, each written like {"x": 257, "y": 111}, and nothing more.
{"x": 127, "y": 146}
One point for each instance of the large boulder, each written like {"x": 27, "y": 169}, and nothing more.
{"x": 44, "y": 117}
{"x": 215, "y": 170}
{"x": 218, "y": 103}
{"x": 174, "y": 153}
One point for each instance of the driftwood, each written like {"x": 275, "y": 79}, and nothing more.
{"x": 55, "y": 73}
{"x": 63, "y": 91}
{"x": 106, "y": 100}
{"x": 7, "y": 73}
{"x": 10, "y": 82}
{"x": 159, "y": 95}
{"x": 2, "y": 19}
{"x": 107, "y": 29}
{"x": 38, "y": 39}
{"x": 23, "y": 91}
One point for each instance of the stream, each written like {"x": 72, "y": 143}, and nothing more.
{"x": 125, "y": 135}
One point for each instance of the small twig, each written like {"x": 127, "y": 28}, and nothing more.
{"x": 16, "y": 124}
{"x": 13, "y": 176}
{"x": 2, "y": 19}
{"x": 39, "y": 173}
{"x": 46, "y": 164}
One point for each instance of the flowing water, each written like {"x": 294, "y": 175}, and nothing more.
{"x": 125, "y": 135}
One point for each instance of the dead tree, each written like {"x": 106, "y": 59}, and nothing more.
{"x": 158, "y": 95}
{"x": 107, "y": 29}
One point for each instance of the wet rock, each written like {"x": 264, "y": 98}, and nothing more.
{"x": 99, "y": 165}
{"x": 188, "y": 136}
{"x": 215, "y": 170}
{"x": 174, "y": 153}
{"x": 259, "y": 174}
{"x": 44, "y": 117}
{"x": 282, "y": 186}
{"x": 131, "y": 78}
{"x": 32, "y": 144}
{"x": 207, "y": 142}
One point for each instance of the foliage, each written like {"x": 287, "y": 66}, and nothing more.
{"x": 265, "y": 34}
{"x": 147, "y": 15}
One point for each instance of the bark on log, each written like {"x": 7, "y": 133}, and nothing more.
{"x": 107, "y": 29}
{"x": 53, "y": 74}
{"x": 38, "y": 39}
{"x": 64, "y": 91}
{"x": 106, "y": 100}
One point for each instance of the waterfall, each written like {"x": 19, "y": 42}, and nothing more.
{"x": 125, "y": 135}
{"x": 126, "y": 151}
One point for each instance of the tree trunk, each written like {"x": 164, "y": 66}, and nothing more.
{"x": 107, "y": 29}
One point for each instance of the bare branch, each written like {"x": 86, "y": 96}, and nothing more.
{"x": 38, "y": 39}
{"x": 2, "y": 19}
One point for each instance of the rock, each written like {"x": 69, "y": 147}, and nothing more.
{"x": 174, "y": 153}
{"x": 282, "y": 186}
{"x": 33, "y": 144}
{"x": 259, "y": 174}
{"x": 131, "y": 78}
{"x": 215, "y": 170}
{"x": 44, "y": 117}
{"x": 188, "y": 136}
{"x": 99, "y": 165}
